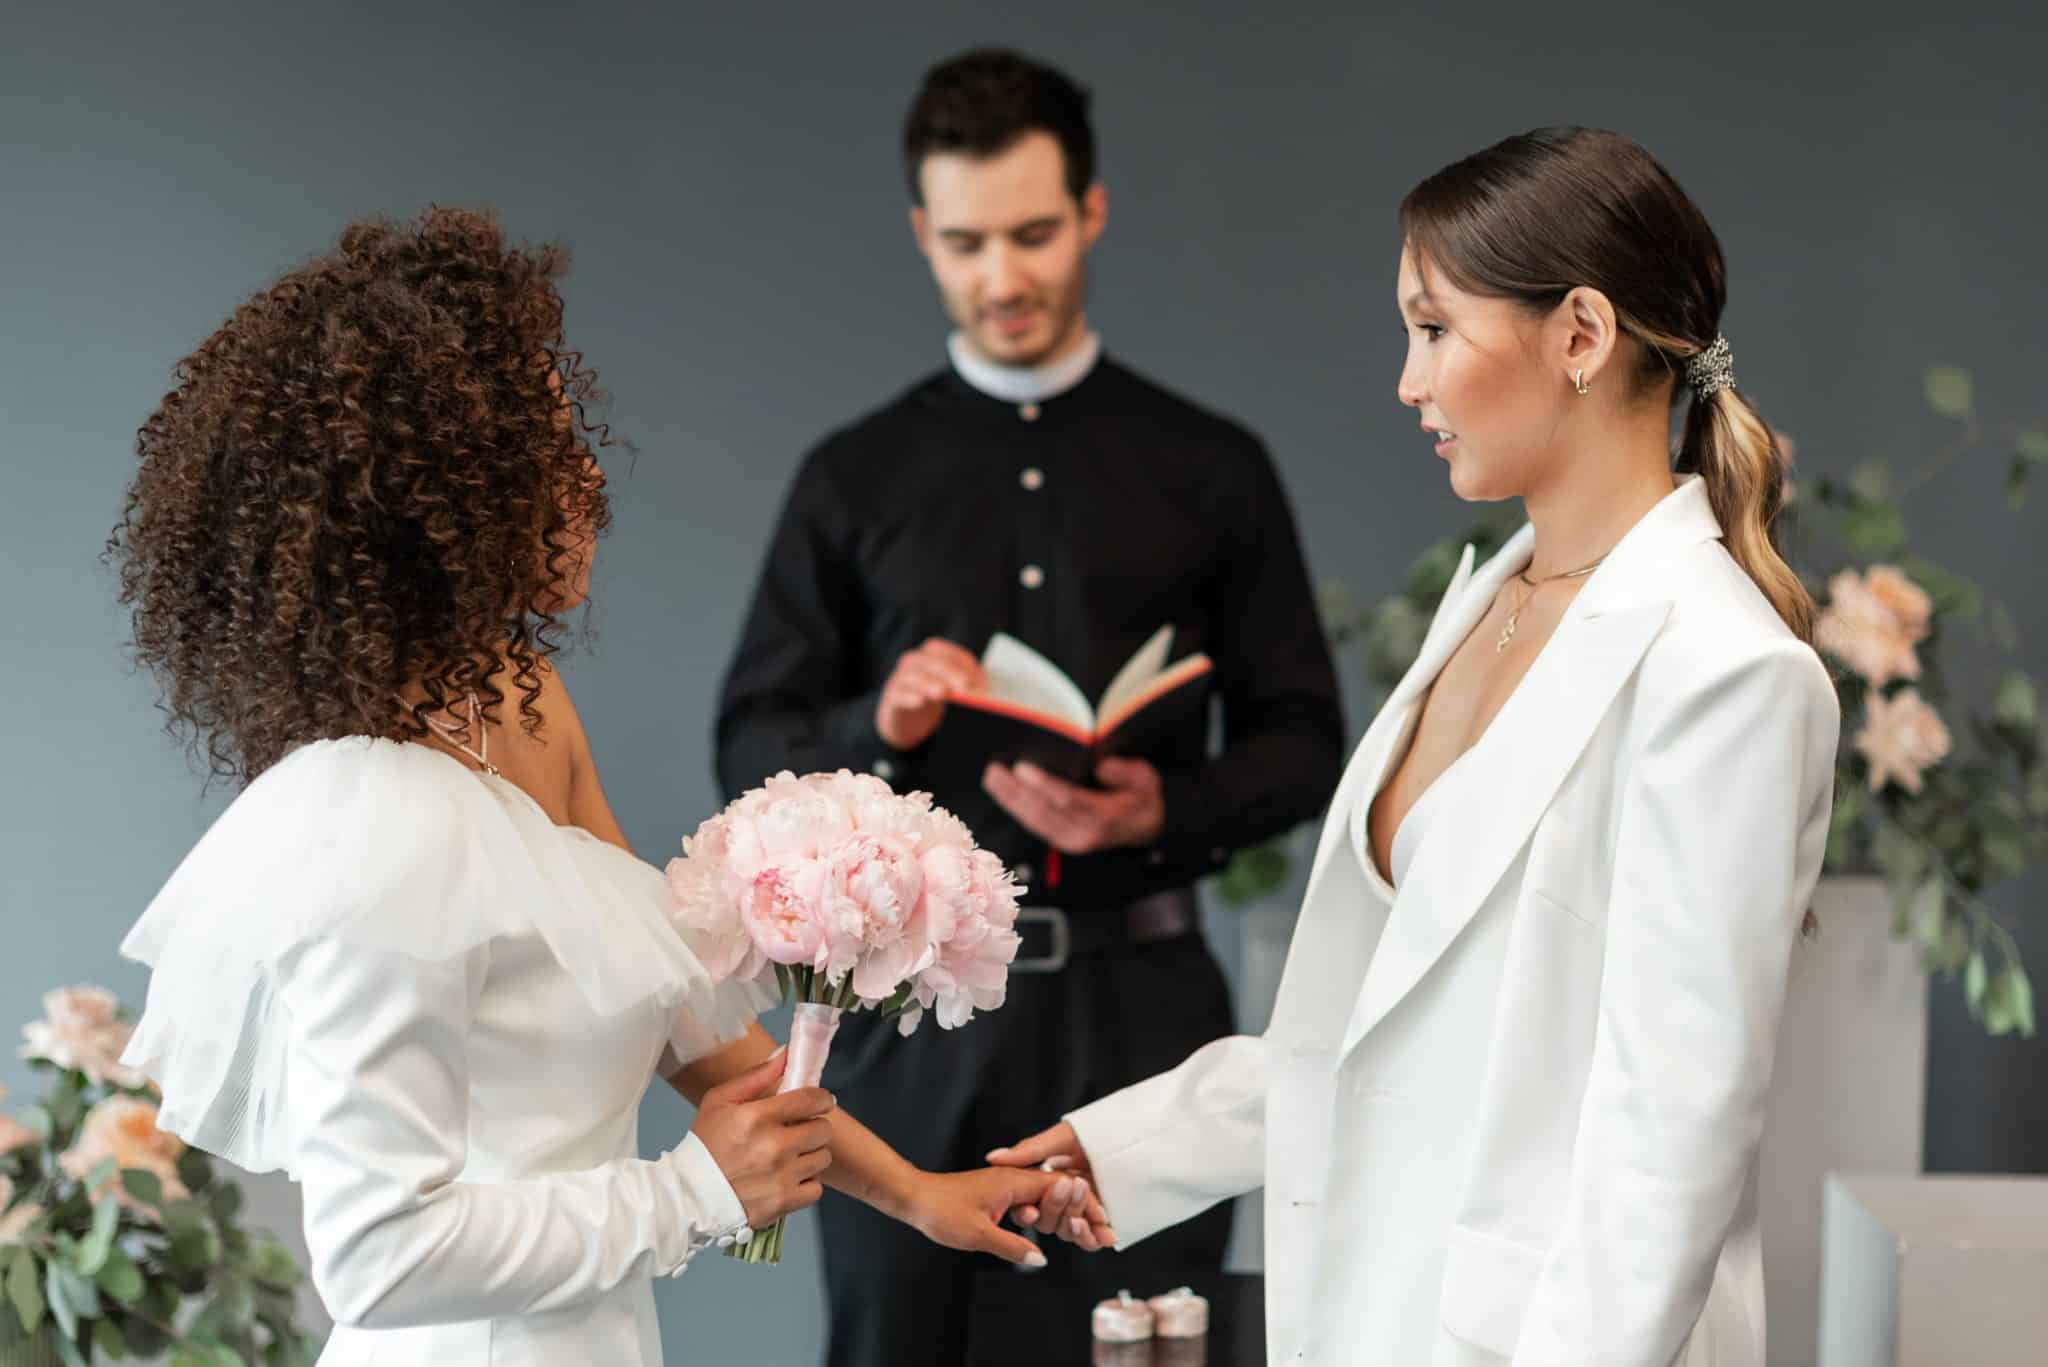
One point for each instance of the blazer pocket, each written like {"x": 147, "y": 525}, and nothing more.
{"x": 1488, "y": 1283}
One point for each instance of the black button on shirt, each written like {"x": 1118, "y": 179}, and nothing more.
{"x": 1117, "y": 509}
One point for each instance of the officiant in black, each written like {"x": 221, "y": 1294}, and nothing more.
{"x": 1036, "y": 487}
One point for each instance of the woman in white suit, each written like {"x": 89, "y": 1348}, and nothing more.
{"x": 1508, "y": 1106}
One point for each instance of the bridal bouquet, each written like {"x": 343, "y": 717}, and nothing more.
{"x": 854, "y": 897}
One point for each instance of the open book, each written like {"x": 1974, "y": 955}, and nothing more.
{"x": 1032, "y": 711}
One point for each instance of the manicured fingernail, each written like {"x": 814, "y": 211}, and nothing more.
{"x": 1034, "y": 1259}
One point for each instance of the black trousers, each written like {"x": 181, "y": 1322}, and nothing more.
{"x": 944, "y": 1098}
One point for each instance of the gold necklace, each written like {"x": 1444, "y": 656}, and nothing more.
{"x": 454, "y": 735}
{"x": 1515, "y": 618}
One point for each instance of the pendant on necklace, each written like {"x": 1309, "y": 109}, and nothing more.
{"x": 1507, "y": 633}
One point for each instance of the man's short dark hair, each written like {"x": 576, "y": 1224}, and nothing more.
{"x": 982, "y": 102}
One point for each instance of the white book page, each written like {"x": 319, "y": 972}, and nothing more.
{"x": 1020, "y": 675}
{"x": 1138, "y": 672}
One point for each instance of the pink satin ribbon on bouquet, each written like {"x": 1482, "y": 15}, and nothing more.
{"x": 810, "y": 1042}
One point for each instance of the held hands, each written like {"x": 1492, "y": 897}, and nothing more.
{"x": 771, "y": 1148}
{"x": 1074, "y": 820}
{"x": 914, "y": 699}
{"x": 963, "y": 1210}
{"x": 1069, "y": 1206}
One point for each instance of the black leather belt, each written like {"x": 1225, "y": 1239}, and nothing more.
{"x": 1052, "y": 936}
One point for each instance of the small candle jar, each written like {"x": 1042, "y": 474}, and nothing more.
{"x": 1123, "y": 1320}
{"x": 1179, "y": 1314}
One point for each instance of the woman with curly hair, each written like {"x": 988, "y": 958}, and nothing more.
{"x": 413, "y": 964}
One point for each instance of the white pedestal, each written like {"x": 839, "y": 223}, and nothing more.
{"x": 1935, "y": 1272}
{"x": 1846, "y": 1094}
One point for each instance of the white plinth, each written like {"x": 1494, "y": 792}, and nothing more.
{"x": 1847, "y": 1091}
{"x": 1935, "y": 1272}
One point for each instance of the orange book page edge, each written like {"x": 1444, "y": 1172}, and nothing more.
{"x": 1193, "y": 667}
{"x": 981, "y": 702}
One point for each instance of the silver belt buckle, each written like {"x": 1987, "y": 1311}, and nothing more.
{"x": 1055, "y": 921}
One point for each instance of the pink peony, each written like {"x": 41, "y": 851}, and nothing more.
{"x": 123, "y": 1128}
{"x": 80, "y": 1030}
{"x": 874, "y": 893}
{"x": 13, "y": 1134}
{"x": 15, "y": 1221}
{"x": 1872, "y": 625}
{"x": 1902, "y": 737}
{"x": 783, "y": 913}
{"x": 838, "y": 876}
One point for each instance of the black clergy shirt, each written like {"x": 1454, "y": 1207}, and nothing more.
{"x": 1080, "y": 525}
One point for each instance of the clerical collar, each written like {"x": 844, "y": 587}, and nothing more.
{"x": 1023, "y": 384}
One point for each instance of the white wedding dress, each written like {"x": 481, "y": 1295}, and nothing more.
{"x": 397, "y": 980}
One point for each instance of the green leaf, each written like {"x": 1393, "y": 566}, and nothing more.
{"x": 2022, "y": 993}
{"x": 1431, "y": 573}
{"x": 226, "y": 1201}
{"x": 24, "y": 1289}
{"x": 1254, "y": 873}
{"x": 1899, "y": 858}
{"x": 2001, "y": 1010}
{"x": 2037, "y": 792}
{"x": 68, "y": 1350}
{"x": 195, "y": 1170}
{"x": 107, "y": 1340}
{"x": 106, "y": 1217}
{"x": 79, "y": 1290}
{"x": 101, "y": 1174}
{"x": 2016, "y": 480}
{"x": 2033, "y": 444}
{"x": 38, "y": 1120}
{"x": 1871, "y": 481}
{"x": 2005, "y": 854}
{"x": 192, "y": 1355}
{"x": 1874, "y": 530}
{"x": 1975, "y": 978}
{"x": 58, "y": 1292}
{"x": 120, "y": 1278}
{"x": 1850, "y": 800}
{"x": 1950, "y": 391}
{"x": 144, "y": 1186}
{"x": 1926, "y": 913}
{"x": 2016, "y": 703}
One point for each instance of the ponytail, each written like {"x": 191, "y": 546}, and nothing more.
{"x": 1734, "y": 452}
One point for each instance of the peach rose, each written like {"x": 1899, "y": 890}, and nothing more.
{"x": 1902, "y": 737}
{"x": 123, "y": 1128}
{"x": 1872, "y": 626}
{"x": 80, "y": 1030}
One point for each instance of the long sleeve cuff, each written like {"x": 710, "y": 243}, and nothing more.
{"x": 719, "y": 1217}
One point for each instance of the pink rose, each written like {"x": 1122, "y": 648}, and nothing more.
{"x": 80, "y": 1030}
{"x": 123, "y": 1128}
{"x": 1873, "y": 626}
{"x": 782, "y": 912}
{"x": 15, "y": 1221}
{"x": 1902, "y": 737}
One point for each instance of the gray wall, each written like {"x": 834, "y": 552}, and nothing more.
{"x": 744, "y": 281}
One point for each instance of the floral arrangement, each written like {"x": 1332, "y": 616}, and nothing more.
{"x": 115, "y": 1239}
{"x": 1941, "y": 800}
{"x": 855, "y": 898}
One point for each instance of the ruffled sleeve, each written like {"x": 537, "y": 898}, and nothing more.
{"x": 393, "y": 850}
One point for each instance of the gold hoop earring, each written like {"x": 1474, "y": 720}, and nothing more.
{"x": 1579, "y": 383}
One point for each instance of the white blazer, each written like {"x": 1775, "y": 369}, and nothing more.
{"x": 1560, "y": 1151}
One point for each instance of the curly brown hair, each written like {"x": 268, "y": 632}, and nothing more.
{"x": 377, "y": 472}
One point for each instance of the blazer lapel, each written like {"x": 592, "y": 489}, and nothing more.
{"x": 1533, "y": 742}
{"x": 1524, "y": 756}
{"x": 1325, "y": 957}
